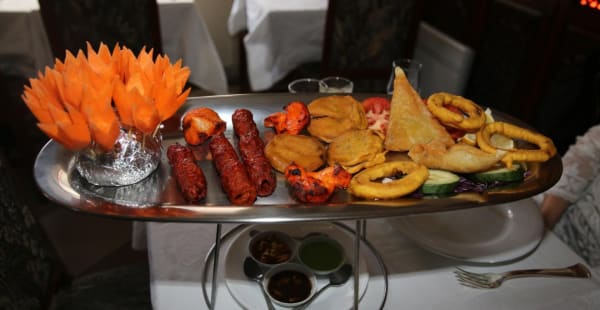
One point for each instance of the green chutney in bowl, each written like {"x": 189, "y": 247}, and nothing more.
{"x": 321, "y": 254}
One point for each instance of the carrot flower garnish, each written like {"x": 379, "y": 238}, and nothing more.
{"x": 90, "y": 96}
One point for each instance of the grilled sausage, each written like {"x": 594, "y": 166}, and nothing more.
{"x": 252, "y": 151}
{"x": 234, "y": 179}
{"x": 187, "y": 173}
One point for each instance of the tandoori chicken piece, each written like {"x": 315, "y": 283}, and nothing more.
{"x": 200, "y": 124}
{"x": 292, "y": 121}
{"x": 318, "y": 186}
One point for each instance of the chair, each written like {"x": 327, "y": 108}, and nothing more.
{"x": 71, "y": 23}
{"x": 446, "y": 62}
{"x": 32, "y": 278}
{"x": 362, "y": 38}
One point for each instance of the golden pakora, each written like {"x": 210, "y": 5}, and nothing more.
{"x": 331, "y": 116}
{"x": 305, "y": 151}
{"x": 357, "y": 149}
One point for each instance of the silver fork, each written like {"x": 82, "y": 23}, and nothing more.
{"x": 493, "y": 280}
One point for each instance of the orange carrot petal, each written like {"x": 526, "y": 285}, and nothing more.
{"x": 46, "y": 95}
{"x": 140, "y": 82}
{"x": 181, "y": 78}
{"x": 182, "y": 97}
{"x": 177, "y": 64}
{"x": 51, "y": 130}
{"x": 59, "y": 84}
{"x": 123, "y": 100}
{"x": 70, "y": 60}
{"x": 59, "y": 65}
{"x": 40, "y": 111}
{"x": 145, "y": 116}
{"x": 145, "y": 57}
{"x": 164, "y": 99}
{"x": 160, "y": 66}
{"x": 100, "y": 63}
{"x": 105, "y": 133}
{"x": 75, "y": 136}
{"x": 59, "y": 115}
{"x": 73, "y": 85}
{"x": 127, "y": 61}
{"x": 104, "y": 54}
{"x": 77, "y": 118}
{"x": 55, "y": 133}
{"x": 103, "y": 122}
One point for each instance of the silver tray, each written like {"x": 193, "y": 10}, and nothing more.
{"x": 157, "y": 198}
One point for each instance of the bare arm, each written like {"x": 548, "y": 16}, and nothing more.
{"x": 581, "y": 165}
{"x": 552, "y": 209}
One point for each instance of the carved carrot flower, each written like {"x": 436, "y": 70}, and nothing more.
{"x": 91, "y": 98}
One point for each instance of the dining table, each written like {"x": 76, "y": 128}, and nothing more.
{"x": 414, "y": 277}
{"x": 279, "y": 36}
{"x": 25, "y": 49}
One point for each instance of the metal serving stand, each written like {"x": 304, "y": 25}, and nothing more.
{"x": 210, "y": 266}
{"x": 157, "y": 198}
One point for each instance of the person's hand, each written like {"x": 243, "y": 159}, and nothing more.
{"x": 552, "y": 209}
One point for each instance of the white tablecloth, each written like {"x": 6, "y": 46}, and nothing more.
{"x": 282, "y": 34}
{"x": 24, "y": 47}
{"x": 185, "y": 35}
{"x": 417, "y": 278}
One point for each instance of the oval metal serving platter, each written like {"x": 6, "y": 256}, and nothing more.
{"x": 157, "y": 198}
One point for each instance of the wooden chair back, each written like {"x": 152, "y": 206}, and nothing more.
{"x": 362, "y": 38}
{"x": 71, "y": 23}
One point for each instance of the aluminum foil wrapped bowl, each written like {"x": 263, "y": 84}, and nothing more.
{"x": 134, "y": 157}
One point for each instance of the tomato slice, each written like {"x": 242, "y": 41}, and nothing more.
{"x": 376, "y": 104}
{"x": 377, "y": 110}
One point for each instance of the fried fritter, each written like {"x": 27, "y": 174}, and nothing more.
{"x": 459, "y": 158}
{"x": 305, "y": 151}
{"x": 331, "y": 116}
{"x": 357, "y": 149}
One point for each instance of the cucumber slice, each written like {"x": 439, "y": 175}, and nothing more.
{"x": 512, "y": 174}
{"x": 440, "y": 182}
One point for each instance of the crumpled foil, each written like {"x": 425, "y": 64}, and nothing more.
{"x": 134, "y": 157}
{"x": 144, "y": 193}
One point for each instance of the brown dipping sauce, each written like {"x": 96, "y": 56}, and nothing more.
{"x": 271, "y": 250}
{"x": 289, "y": 286}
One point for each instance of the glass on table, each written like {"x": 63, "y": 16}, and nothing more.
{"x": 305, "y": 85}
{"x": 412, "y": 70}
{"x": 335, "y": 84}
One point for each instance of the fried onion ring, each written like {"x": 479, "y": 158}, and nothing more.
{"x": 471, "y": 119}
{"x": 365, "y": 184}
{"x": 546, "y": 146}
